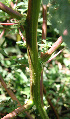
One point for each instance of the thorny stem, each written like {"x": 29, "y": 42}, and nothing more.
{"x": 54, "y": 56}
{"x": 34, "y": 64}
{"x": 55, "y": 46}
{"x": 10, "y": 11}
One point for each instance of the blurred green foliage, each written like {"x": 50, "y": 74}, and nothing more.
{"x": 60, "y": 17}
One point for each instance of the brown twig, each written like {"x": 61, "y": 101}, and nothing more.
{"x": 10, "y": 11}
{"x": 54, "y": 56}
{"x": 12, "y": 5}
{"x": 2, "y": 33}
{"x": 55, "y": 46}
{"x": 17, "y": 111}
{"x": 44, "y": 25}
{"x": 49, "y": 101}
{"x": 44, "y": 31}
{"x": 11, "y": 94}
{"x": 22, "y": 35}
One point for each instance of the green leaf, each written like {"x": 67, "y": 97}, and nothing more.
{"x": 1, "y": 109}
{"x": 3, "y": 52}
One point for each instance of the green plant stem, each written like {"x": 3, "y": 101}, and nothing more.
{"x": 34, "y": 64}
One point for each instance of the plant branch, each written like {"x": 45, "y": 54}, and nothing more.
{"x": 13, "y": 13}
{"x": 18, "y": 111}
{"x": 44, "y": 25}
{"x": 44, "y": 32}
{"x": 2, "y": 33}
{"x": 11, "y": 94}
{"x": 49, "y": 101}
{"x": 54, "y": 56}
{"x": 55, "y": 46}
{"x": 12, "y": 5}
